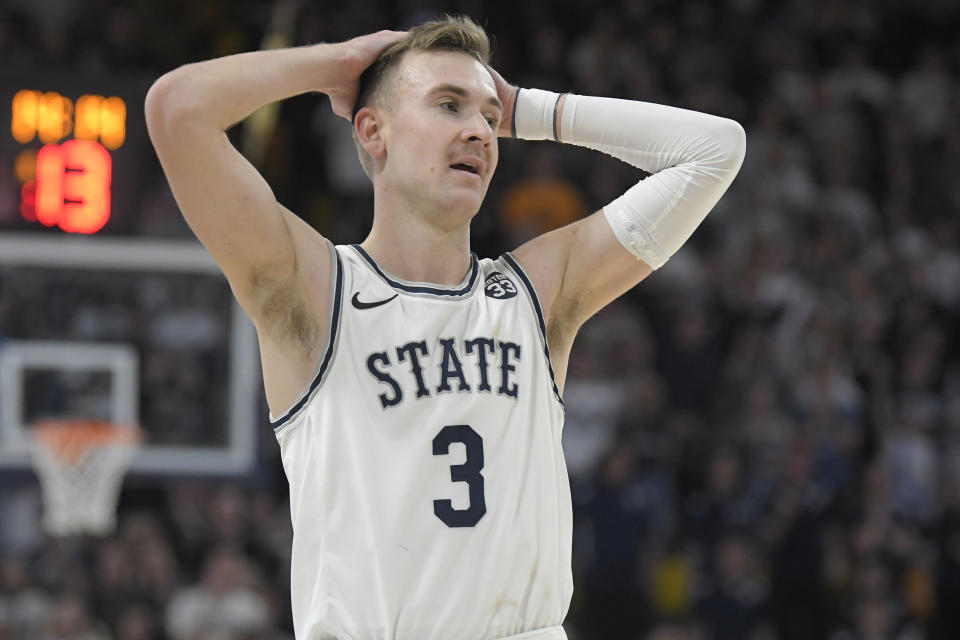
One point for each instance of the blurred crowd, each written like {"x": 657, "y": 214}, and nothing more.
{"x": 763, "y": 438}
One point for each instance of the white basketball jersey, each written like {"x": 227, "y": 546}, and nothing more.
{"x": 428, "y": 490}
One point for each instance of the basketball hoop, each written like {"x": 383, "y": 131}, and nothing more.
{"x": 81, "y": 464}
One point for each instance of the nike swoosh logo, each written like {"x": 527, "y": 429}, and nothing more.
{"x": 355, "y": 301}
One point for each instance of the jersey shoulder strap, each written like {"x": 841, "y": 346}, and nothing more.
{"x": 334, "y": 323}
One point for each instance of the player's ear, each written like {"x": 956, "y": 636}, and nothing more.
{"x": 368, "y": 125}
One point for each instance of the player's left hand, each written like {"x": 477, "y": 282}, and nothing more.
{"x": 508, "y": 96}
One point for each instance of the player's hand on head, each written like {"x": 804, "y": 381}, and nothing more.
{"x": 508, "y": 96}
{"x": 358, "y": 54}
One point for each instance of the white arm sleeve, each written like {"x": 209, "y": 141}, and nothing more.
{"x": 693, "y": 158}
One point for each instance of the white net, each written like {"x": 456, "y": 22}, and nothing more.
{"x": 81, "y": 467}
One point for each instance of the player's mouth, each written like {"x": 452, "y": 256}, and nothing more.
{"x": 469, "y": 165}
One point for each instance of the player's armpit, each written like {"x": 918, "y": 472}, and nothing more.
{"x": 577, "y": 270}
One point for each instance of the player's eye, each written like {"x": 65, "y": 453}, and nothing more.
{"x": 449, "y": 105}
{"x": 492, "y": 121}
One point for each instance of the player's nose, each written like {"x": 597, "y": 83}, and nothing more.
{"x": 477, "y": 129}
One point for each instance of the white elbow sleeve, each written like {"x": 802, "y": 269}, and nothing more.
{"x": 693, "y": 158}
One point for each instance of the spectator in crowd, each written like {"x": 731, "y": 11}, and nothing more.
{"x": 226, "y": 603}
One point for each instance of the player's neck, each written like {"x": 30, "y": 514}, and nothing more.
{"x": 411, "y": 248}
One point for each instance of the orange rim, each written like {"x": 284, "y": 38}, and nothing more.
{"x": 71, "y": 439}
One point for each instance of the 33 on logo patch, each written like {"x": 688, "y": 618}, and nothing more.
{"x": 499, "y": 286}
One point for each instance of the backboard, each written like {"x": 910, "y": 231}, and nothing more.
{"x": 132, "y": 331}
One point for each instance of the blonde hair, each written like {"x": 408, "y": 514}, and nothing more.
{"x": 450, "y": 33}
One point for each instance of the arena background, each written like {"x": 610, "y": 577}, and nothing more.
{"x": 763, "y": 438}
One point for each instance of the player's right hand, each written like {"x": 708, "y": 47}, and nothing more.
{"x": 357, "y": 54}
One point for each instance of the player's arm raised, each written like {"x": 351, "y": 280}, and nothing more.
{"x": 255, "y": 241}
{"x": 693, "y": 158}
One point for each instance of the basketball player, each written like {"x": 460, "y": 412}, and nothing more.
{"x": 414, "y": 388}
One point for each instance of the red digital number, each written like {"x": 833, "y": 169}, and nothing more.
{"x": 73, "y": 186}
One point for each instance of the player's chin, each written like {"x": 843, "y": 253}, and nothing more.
{"x": 461, "y": 201}
{"x": 475, "y": 195}
{"x": 469, "y": 183}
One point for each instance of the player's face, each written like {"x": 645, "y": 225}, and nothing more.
{"x": 441, "y": 135}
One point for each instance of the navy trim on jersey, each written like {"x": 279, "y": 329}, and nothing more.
{"x": 474, "y": 271}
{"x": 543, "y": 325}
{"x": 328, "y": 354}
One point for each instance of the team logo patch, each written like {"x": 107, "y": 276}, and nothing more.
{"x": 499, "y": 286}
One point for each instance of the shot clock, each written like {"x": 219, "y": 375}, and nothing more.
{"x": 71, "y": 179}
{"x": 68, "y": 142}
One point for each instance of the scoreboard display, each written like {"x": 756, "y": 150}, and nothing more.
{"x": 75, "y": 148}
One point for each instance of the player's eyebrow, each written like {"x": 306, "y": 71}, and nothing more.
{"x": 463, "y": 93}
